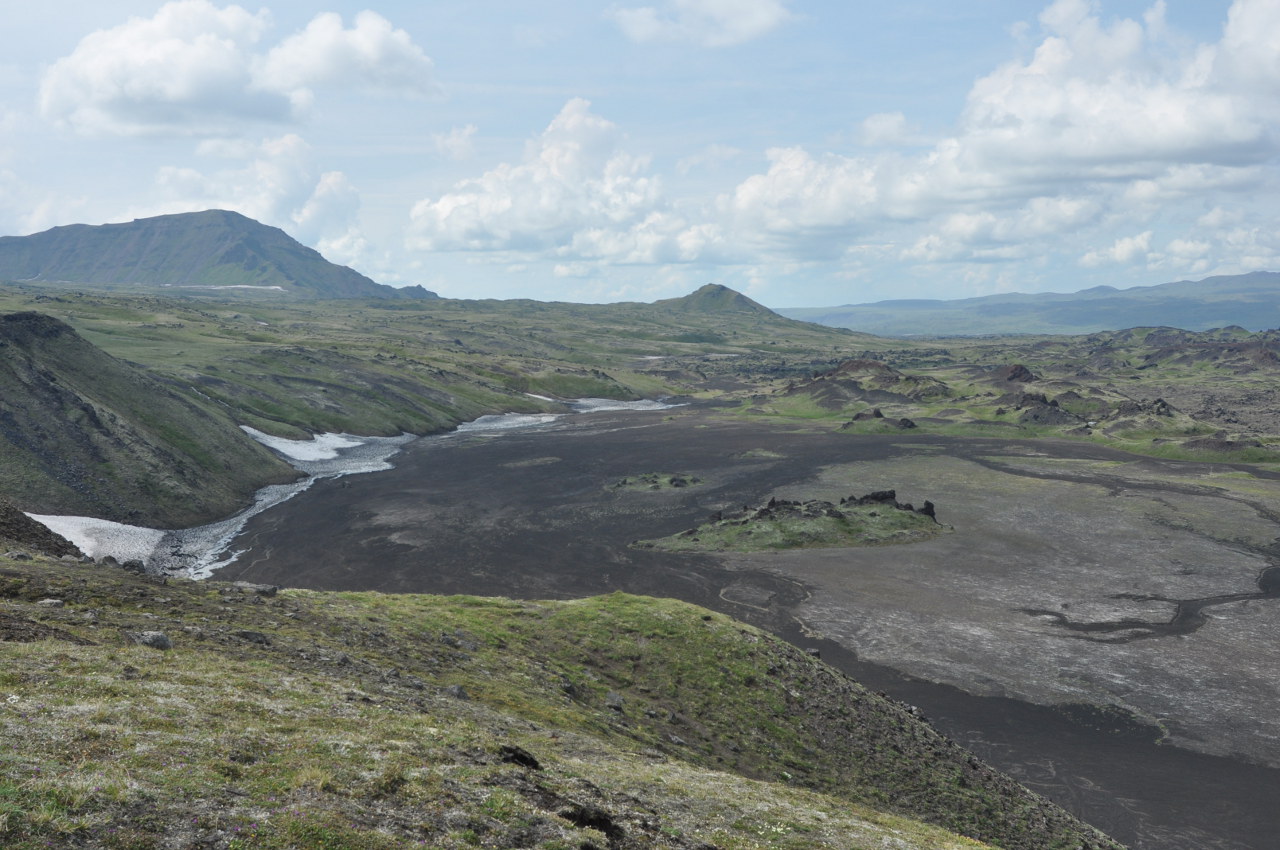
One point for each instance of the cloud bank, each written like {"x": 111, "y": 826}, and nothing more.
{"x": 1101, "y": 147}
{"x": 1104, "y": 127}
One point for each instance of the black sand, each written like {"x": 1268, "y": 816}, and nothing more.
{"x": 530, "y": 514}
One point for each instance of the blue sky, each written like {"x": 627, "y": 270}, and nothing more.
{"x": 806, "y": 153}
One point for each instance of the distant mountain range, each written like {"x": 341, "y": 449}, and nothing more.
{"x": 1250, "y": 301}
{"x": 188, "y": 252}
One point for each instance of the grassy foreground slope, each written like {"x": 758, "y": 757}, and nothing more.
{"x": 310, "y": 720}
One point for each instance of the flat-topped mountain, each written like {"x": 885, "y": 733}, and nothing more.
{"x": 193, "y": 252}
{"x": 1251, "y": 301}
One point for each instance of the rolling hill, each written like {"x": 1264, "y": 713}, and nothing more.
{"x": 714, "y": 298}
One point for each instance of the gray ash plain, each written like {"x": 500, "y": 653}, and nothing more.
{"x": 1099, "y": 625}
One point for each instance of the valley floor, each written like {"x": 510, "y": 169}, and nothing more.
{"x": 1133, "y": 598}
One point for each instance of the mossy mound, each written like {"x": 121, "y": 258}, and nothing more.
{"x": 876, "y": 519}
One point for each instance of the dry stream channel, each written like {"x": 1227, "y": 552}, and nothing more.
{"x": 1102, "y": 626}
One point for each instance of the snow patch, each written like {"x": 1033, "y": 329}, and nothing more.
{"x": 320, "y": 447}
{"x": 98, "y": 538}
{"x": 597, "y": 405}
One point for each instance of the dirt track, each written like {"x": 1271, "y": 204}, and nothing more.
{"x": 1049, "y": 537}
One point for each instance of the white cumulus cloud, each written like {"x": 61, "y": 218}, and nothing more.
{"x": 710, "y": 23}
{"x": 576, "y": 198}
{"x": 1101, "y": 119}
{"x": 458, "y": 143}
{"x": 573, "y": 177}
{"x": 883, "y": 128}
{"x": 276, "y": 182}
{"x": 1126, "y": 249}
{"x": 197, "y": 69}
{"x": 370, "y": 56}
{"x": 188, "y": 65}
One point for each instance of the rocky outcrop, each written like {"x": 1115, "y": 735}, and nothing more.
{"x": 781, "y": 509}
{"x": 904, "y": 423}
{"x": 865, "y": 380}
{"x": 1220, "y": 442}
{"x": 1014, "y": 373}
{"x": 18, "y": 528}
{"x": 1130, "y": 407}
{"x": 1048, "y": 413}
{"x": 889, "y": 498}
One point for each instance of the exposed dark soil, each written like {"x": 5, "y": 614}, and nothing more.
{"x": 22, "y": 630}
{"x": 468, "y": 514}
{"x": 20, "y": 529}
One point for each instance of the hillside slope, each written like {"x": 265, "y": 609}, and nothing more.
{"x": 214, "y": 249}
{"x": 84, "y": 433}
{"x": 713, "y": 298}
{"x": 296, "y": 368}
{"x": 1250, "y": 301}
{"x": 307, "y": 720}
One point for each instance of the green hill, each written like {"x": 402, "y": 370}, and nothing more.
{"x": 714, "y": 298}
{"x": 211, "y": 250}
{"x": 317, "y": 721}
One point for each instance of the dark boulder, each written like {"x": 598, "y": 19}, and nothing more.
{"x": 511, "y": 754}
{"x": 1048, "y": 414}
{"x": 1014, "y": 373}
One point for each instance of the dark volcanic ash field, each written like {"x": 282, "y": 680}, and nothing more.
{"x": 1075, "y": 576}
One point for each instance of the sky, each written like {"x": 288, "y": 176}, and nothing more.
{"x": 804, "y": 152}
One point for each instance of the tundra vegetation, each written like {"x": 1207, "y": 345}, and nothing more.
{"x": 300, "y": 719}
{"x": 295, "y": 368}
{"x": 139, "y": 712}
